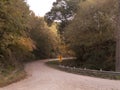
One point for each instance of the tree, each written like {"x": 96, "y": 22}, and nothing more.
{"x": 91, "y": 34}
{"x": 62, "y": 11}
{"x": 118, "y": 40}
{"x": 15, "y": 45}
{"x": 46, "y": 38}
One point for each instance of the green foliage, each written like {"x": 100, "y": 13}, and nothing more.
{"x": 46, "y": 38}
{"x": 62, "y": 11}
{"x": 13, "y": 24}
{"x": 24, "y": 36}
{"x": 91, "y": 34}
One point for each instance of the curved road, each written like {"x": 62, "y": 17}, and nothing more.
{"x": 42, "y": 77}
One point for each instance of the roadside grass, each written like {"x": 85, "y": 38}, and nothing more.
{"x": 9, "y": 77}
{"x": 83, "y": 71}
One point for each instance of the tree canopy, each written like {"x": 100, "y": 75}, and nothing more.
{"x": 62, "y": 11}
{"x": 91, "y": 34}
{"x": 23, "y": 36}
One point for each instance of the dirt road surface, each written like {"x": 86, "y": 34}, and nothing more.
{"x": 42, "y": 77}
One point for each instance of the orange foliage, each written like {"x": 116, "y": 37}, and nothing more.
{"x": 27, "y": 43}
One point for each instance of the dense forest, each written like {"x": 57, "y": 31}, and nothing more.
{"x": 24, "y": 36}
{"x": 85, "y": 29}
{"x": 88, "y": 27}
{"x": 94, "y": 38}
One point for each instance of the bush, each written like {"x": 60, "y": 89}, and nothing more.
{"x": 91, "y": 34}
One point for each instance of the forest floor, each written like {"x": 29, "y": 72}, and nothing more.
{"x": 42, "y": 77}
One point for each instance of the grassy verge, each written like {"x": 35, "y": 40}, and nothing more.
{"x": 80, "y": 71}
{"x": 7, "y": 78}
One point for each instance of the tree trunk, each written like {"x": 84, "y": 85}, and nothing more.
{"x": 118, "y": 40}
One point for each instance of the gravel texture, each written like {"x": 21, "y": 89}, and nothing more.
{"x": 42, "y": 77}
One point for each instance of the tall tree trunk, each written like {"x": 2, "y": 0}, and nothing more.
{"x": 118, "y": 40}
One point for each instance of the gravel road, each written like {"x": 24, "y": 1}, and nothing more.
{"x": 42, "y": 77}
